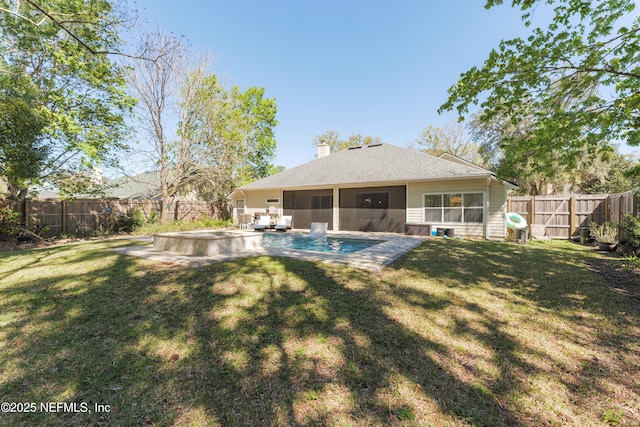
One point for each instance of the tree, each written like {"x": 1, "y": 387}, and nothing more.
{"x": 21, "y": 124}
{"x": 500, "y": 144}
{"x": 607, "y": 177}
{"x": 72, "y": 95}
{"x": 224, "y": 137}
{"x": 231, "y": 135}
{"x": 332, "y": 138}
{"x": 154, "y": 83}
{"x": 559, "y": 74}
{"x": 452, "y": 138}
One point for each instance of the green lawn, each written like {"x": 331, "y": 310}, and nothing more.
{"x": 454, "y": 333}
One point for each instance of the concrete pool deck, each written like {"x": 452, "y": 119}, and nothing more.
{"x": 373, "y": 258}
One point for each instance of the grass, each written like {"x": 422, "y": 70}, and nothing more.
{"x": 455, "y": 333}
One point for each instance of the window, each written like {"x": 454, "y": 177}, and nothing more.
{"x": 454, "y": 207}
{"x": 473, "y": 207}
{"x": 433, "y": 208}
{"x": 240, "y": 206}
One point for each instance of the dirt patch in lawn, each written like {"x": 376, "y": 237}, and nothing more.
{"x": 623, "y": 278}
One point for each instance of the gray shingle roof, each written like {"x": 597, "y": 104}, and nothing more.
{"x": 143, "y": 186}
{"x": 378, "y": 163}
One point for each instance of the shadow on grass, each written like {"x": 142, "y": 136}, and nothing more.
{"x": 268, "y": 341}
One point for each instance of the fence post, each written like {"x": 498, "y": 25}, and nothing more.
{"x": 573, "y": 219}
{"x": 64, "y": 216}
{"x": 27, "y": 211}
{"x": 532, "y": 210}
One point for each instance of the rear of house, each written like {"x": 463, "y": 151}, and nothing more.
{"x": 381, "y": 188}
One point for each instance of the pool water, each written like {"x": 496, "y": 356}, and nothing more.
{"x": 336, "y": 245}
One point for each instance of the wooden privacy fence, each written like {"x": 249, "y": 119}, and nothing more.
{"x": 85, "y": 216}
{"x": 564, "y": 215}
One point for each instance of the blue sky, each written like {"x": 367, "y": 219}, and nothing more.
{"x": 376, "y": 68}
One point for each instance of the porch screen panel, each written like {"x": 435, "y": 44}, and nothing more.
{"x": 373, "y": 209}
{"x": 306, "y": 206}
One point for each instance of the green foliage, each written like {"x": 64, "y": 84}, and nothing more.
{"x": 230, "y": 134}
{"x": 153, "y": 217}
{"x": 613, "y": 416}
{"x": 553, "y": 78}
{"x": 606, "y": 232}
{"x": 63, "y": 83}
{"x": 608, "y": 176}
{"x": 9, "y": 222}
{"x": 405, "y": 413}
{"x": 21, "y": 125}
{"x": 505, "y": 149}
{"x": 131, "y": 222}
{"x": 137, "y": 217}
{"x": 258, "y": 121}
{"x": 225, "y": 136}
{"x": 630, "y": 228}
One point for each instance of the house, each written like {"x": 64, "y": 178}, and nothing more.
{"x": 382, "y": 187}
{"x": 143, "y": 186}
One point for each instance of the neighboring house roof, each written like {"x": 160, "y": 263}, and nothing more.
{"x": 46, "y": 194}
{"x": 143, "y": 186}
{"x": 369, "y": 164}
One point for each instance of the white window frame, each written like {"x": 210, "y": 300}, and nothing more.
{"x": 442, "y": 207}
{"x": 236, "y": 209}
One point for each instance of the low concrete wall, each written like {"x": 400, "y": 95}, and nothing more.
{"x": 207, "y": 243}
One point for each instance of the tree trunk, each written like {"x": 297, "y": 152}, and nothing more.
{"x": 15, "y": 200}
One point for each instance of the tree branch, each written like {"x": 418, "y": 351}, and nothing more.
{"x": 59, "y": 24}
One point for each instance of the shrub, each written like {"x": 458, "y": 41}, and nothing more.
{"x": 153, "y": 217}
{"x": 129, "y": 223}
{"x": 182, "y": 225}
{"x": 9, "y": 223}
{"x": 630, "y": 228}
{"x": 607, "y": 232}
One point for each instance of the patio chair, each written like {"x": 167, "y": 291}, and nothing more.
{"x": 539, "y": 232}
{"x": 263, "y": 223}
{"x": 284, "y": 222}
{"x": 244, "y": 220}
{"x": 318, "y": 230}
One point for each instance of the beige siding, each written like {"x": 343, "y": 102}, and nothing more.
{"x": 256, "y": 201}
{"x": 496, "y": 228}
{"x": 494, "y": 215}
{"x": 495, "y": 204}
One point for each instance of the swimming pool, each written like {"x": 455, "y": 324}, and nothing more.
{"x": 336, "y": 245}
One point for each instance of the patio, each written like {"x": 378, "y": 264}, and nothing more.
{"x": 374, "y": 258}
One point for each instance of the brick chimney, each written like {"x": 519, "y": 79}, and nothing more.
{"x": 324, "y": 150}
